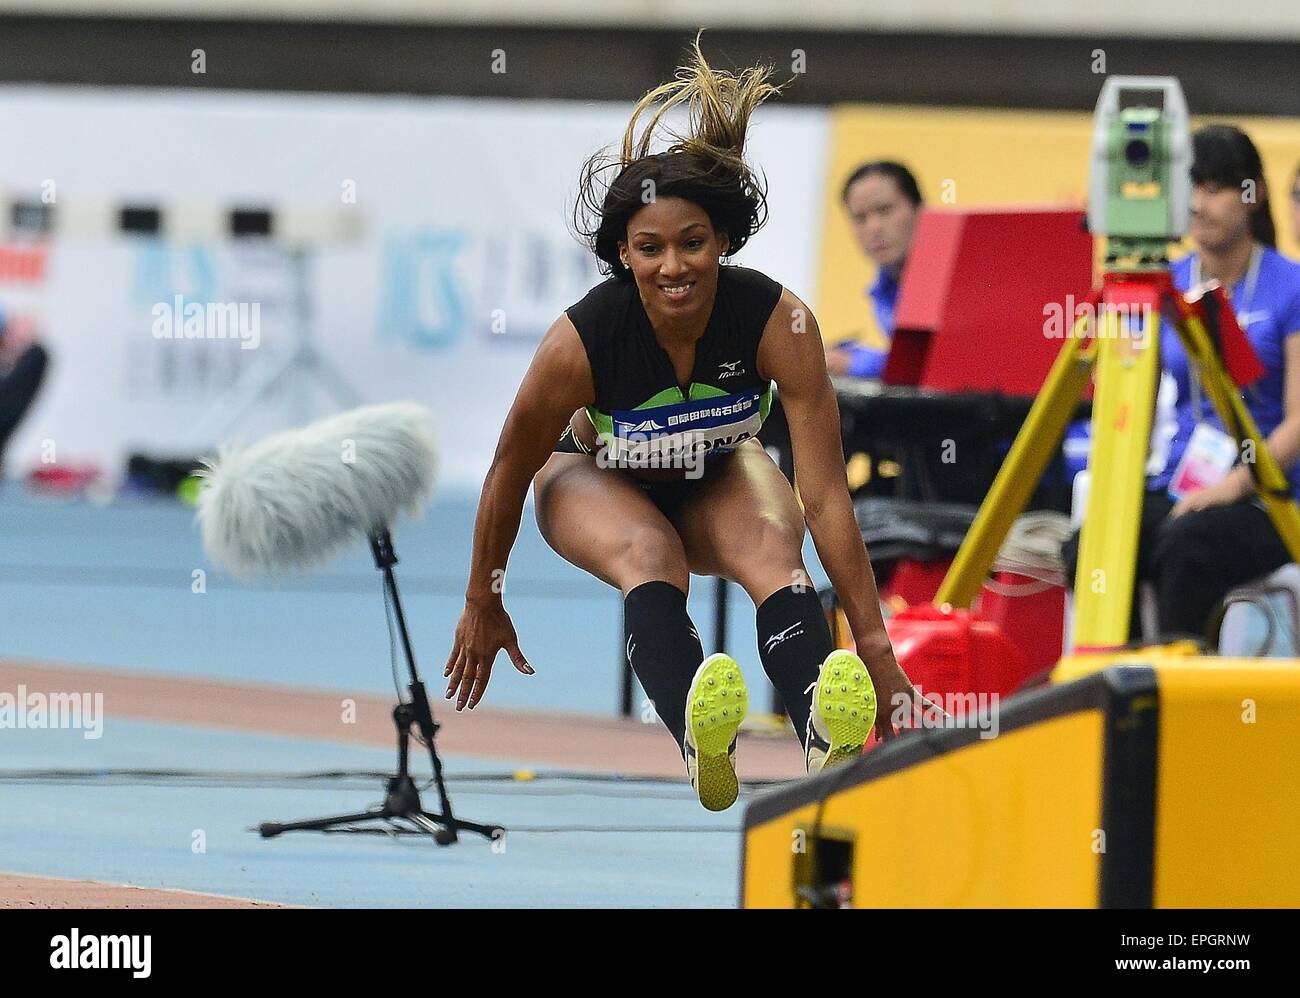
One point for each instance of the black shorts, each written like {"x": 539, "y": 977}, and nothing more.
{"x": 667, "y": 494}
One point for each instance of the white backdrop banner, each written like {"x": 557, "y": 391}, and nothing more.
{"x": 464, "y": 261}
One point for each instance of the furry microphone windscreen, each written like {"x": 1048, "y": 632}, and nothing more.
{"x": 293, "y": 500}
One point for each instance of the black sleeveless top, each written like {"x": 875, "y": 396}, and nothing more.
{"x": 641, "y": 412}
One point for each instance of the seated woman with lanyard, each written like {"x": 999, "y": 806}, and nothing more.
{"x": 1204, "y": 531}
{"x": 883, "y": 201}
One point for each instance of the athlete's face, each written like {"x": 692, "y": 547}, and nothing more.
{"x": 672, "y": 250}
{"x": 883, "y": 219}
{"x": 1220, "y": 215}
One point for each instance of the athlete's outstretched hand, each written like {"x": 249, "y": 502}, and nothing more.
{"x": 898, "y": 702}
{"x": 483, "y": 630}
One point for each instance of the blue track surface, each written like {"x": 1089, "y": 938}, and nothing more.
{"x": 569, "y": 842}
{"x": 82, "y": 583}
{"x": 113, "y": 586}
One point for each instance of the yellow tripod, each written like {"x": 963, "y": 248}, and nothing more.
{"x": 1119, "y": 333}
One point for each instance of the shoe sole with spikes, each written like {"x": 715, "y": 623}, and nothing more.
{"x": 844, "y": 704}
{"x": 716, "y": 705}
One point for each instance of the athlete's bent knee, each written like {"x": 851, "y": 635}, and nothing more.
{"x": 770, "y": 558}
{"x": 647, "y": 553}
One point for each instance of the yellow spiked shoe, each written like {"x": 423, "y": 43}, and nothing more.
{"x": 715, "y": 706}
{"x": 843, "y": 711}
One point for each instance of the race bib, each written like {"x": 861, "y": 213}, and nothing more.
{"x": 1209, "y": 456}
{"x": 685, "y": 429}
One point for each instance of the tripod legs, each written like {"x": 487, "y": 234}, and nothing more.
{"x": 1123, "y": 410}
{"x": 402, "y": 797}
{"x": 1119, "y": 331}
{"x": 402, "y": 802}
{"x": 1021, "y": 470}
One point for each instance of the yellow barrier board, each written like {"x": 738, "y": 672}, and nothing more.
{"x": 1168, "y": 782}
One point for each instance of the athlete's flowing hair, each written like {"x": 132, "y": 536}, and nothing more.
{"x": 706, "y": 166}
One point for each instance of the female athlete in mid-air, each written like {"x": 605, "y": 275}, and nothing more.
{"x": 659, "y": 380}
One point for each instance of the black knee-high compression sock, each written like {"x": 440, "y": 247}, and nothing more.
{"x": 663, "y": 649}
{"x": 793, "y": 641}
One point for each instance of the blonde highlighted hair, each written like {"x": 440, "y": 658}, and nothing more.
{"x": 706, "y": 165}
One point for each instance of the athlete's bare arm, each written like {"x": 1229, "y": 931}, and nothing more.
{"x": 791, "y": 354}
{"x": 557, "y": 381}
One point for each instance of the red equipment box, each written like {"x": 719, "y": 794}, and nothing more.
{"x": 976, "y": 292}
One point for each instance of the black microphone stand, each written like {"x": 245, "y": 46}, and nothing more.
{"x": 402, "y": 799}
